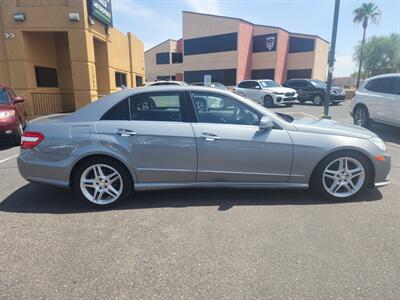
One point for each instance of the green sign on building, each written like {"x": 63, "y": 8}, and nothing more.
{"x": 101, "y": 10}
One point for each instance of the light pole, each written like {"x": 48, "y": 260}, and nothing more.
{"x": 331, "y": 61}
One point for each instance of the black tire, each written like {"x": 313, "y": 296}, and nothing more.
{"x": 268, "y": 101}
{"x": 18, "y": 135}
{"x": 301, "y": 101}
{"x": 316, "y": 182}
{"x": 119, "y": 167}
{"x": 361, "y": 116}
{"x": 318, "y": 100}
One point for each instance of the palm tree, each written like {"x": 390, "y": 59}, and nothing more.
{"x": 364, "y": 13}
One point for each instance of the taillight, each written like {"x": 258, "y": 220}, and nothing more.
{"x": 30, "y": 139}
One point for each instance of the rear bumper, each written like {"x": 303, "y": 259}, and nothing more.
{"x": 34, "y": 169}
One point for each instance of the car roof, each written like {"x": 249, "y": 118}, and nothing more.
{"x": 93, "y": 111}
{"x": 167, "y": 81}
{"x": 384, "y": 75}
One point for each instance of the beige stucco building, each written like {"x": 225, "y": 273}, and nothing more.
{"x": 232, "y": 49}
{"x": 59, "y": 57}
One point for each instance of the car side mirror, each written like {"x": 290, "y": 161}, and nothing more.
{"x": 266, "y": 123}
{"x": 18, "y": 99}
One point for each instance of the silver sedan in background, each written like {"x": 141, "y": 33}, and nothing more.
{"x": 165, "y": 137}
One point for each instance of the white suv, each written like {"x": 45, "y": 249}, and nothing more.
{"x": 266, "y": 92}
{"x": 377, "y": 100}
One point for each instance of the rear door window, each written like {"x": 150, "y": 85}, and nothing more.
{"x": 165, "y": 106}
{"x": 120, "y": 112}
{"x": 382, "y": 85}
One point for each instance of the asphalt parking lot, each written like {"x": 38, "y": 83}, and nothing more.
{"x": 201, "y": 244}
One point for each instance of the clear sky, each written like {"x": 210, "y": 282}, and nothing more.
{"x": 154, "y": 21}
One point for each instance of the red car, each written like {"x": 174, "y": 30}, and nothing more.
{"x": 13, "y": 118}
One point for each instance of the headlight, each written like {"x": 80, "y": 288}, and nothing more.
{"x": 5, "y": 114}
{"x": 378, "y": 142}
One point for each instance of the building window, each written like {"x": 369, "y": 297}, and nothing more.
{"x": 224, "y": 76}
{"x": 298, "y": 44}
{"x": 46, "y": 77}
{"x": 264, "y": 43}
{"x": 120, "y": 79}
{"x": 263, "y": 74}
{"x": 163, "y": 77}
{"x": 211, "y": 44}
{"x": 139, "y": 80}
{"x": 299, "y": 74}
{"x": 162, "y": 58}
{"x": 177, "y": 58}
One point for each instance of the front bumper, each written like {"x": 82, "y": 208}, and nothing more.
{"x": 8, "y": 129}
{"x": 382, "y": 170}
{"x": 286, "y": 99}
{"x": 337, "y": 97}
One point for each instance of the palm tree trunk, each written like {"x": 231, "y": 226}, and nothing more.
{"x": 361, "y": 58}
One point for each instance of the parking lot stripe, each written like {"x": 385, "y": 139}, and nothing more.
{"x": 8, "y": 158}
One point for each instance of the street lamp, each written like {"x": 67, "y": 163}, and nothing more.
{"x": 331, "y": 61}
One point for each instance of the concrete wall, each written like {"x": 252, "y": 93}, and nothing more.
{"x": 48, "y": 38}
{"x": 245, "y": 48}
{"x": 320, "y": 60}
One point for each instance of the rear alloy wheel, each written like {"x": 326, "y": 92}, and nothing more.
{"x": 317, "y": 100}
{"x": 268, "y": 101}
{"x": 102, "y": 182}
{"x": 361, "y": 117}
{"x": 341, "y": 176}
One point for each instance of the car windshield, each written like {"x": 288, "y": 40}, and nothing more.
{"x": 318, "y": 83}
{"x": 269, "y": 83}
{"x": 3, "y": 97}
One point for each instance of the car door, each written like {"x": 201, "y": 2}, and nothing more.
{"x": 382, "y": 97}
{"x": 152, "y": 132}
{"x": 232, "y": 148}
{"x": 395, "y": 107}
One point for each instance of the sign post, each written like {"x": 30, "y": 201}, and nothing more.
{"x": 207, "y": 80}
{"x": 331, "y": 61}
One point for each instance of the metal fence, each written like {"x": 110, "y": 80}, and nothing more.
{"x": 52, "y": 103}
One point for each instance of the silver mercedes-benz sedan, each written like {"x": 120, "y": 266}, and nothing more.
{"x": 185, "y": 136}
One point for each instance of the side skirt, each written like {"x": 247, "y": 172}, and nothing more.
{"x": 241, "y": 185}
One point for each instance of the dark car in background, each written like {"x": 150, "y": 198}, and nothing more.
{"x": 314, "y": 91}
{"x": 13, "y": 118}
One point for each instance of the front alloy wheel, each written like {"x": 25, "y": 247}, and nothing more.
{"x": 317, "y": 100}
{"x": 361, "y": 117}
{"x": 341, "y": 175}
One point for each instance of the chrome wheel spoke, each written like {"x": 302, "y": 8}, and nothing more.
{"x": 331, "y": 174}
{"x": 355, "y": 172}
{"x": 91, "y": 183}
{"x": 335, "y": 186}
{"x": 112, "y": 177}
{"x": 112, "y": 191}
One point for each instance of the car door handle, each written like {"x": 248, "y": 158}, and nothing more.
{"x": 125, "y": 132}
{"x": 209, "y": 136}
